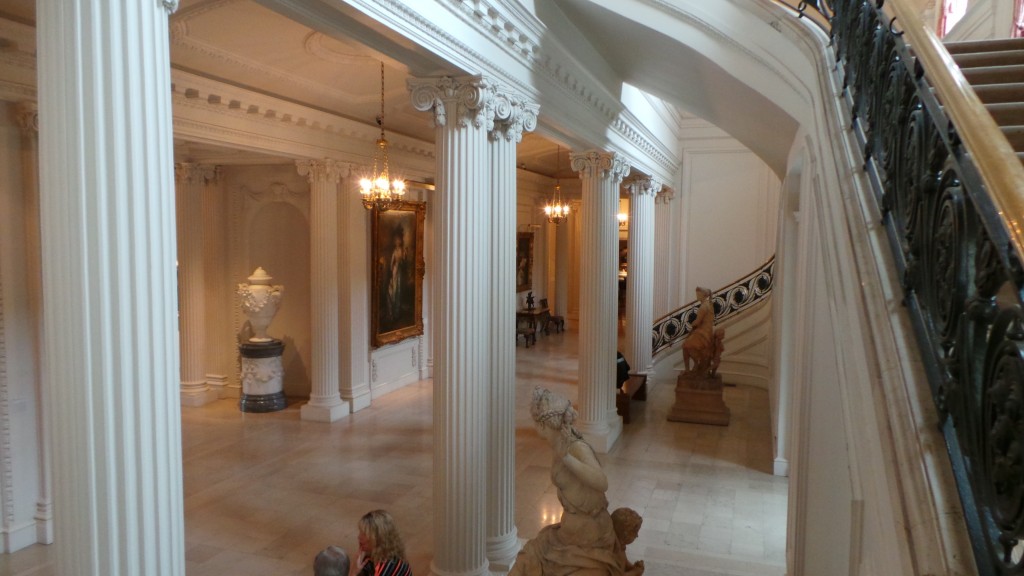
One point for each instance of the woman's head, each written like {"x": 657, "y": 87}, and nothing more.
{"x": 703, "y": 293}
{"x": 379, "y": 538}
{"x": 551, "y": 411}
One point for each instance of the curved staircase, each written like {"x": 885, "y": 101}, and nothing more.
{"x": 995, "y": 70}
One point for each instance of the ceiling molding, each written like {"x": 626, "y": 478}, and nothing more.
{"x": 255, "y": 121}
{"x": 518, "y": 34}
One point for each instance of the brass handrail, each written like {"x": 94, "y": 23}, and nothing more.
{"x": 998, "y": 166}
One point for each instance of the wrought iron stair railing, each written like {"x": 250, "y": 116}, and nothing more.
{"x": 951, "y": 190}
{"x": 728, "y": 301}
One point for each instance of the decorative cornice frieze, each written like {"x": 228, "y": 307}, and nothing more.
{"x": 208, "y": 96}
{"x": 599, "y": 164}
{"x": 319, "y": 171}
{"x": 469, "y": 98}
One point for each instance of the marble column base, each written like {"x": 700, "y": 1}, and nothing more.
{"x": 324, "y": 413}
{"x": 199, "y": 396}
{"x": 699, "y": 400}
{"x": 602, "y": 435}
{"x": 262, "y": 377}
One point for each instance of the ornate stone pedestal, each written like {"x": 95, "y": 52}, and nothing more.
{"x": 699, "y": 400}
{"x": 262, "y": 383}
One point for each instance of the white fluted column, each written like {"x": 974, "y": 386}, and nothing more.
{"x": 325, "y": 403}
{"x": 190, "y": 180}
{"x": 514, "y": 116}
{"x": 460, "y": 304}
{"x": 27, "y": 116}
{"x": 353, "y": 294}
{"x": 562, "y": 267}
{"x": 640, "y": 273}
{"x": 600, "y": 173}
{"x": 110, "y": 326}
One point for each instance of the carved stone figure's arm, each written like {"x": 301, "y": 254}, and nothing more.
{"x": 634, "y": 570}
{"x": 581, "y": 460}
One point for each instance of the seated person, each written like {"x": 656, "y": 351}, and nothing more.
{"x": 381, "y": 550}
{"x": 621, "y": 370}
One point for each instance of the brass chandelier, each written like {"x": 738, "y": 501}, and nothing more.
{"x": 378, "y": 190}
{"x": 556, "y": 209}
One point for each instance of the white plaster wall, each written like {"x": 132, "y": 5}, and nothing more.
{"x": 985, "y": 20}
{"x": 19, "y": 417}
{"x": 731, "y": 207}
{"x": 821, "y": 486}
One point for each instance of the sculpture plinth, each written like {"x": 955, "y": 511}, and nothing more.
{"x": 699, "y": 400}
{"x": 262, "y": 377}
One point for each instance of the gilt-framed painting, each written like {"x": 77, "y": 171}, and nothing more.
{"x": 396, "y": 293}
{"x": 524, "y": 261}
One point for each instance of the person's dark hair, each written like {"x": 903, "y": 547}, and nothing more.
{"x": 331, "y": 561}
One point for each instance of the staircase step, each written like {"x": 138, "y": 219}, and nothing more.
{"x": 994, "y": 75}
{"x": 1007, "y": 114}
{"x": 985, "y": 45}
{"x": 998, "y": 58}
{"x": 1015, "y": 136}
{"x": 995, "y": 93}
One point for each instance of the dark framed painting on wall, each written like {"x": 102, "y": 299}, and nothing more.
{"x": 396, "y": 293}
{"x": 524, "y": 261}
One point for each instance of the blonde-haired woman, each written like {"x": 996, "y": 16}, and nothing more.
{"x": 583, "y": 543}
{"x": 381, "y": 550}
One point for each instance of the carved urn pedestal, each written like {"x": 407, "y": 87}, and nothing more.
{"x": 699, "y": 400}
{"x": 262, "y": 377}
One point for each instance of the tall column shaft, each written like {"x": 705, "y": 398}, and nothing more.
{"x": 640, "y": 273}
{"x": 325, "y": 403}
{"x": 190, "y": 180}
{"x": 502, "y": 540}
{"x": 561, "y": 299}
{"x": 27, "y": 116}
{"x": 354, "y": 296}
{"x": 461, "y": 331}
{"x": 110, "y": 327}
{"x": 600, "y": 173}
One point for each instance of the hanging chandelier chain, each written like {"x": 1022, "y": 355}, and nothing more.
{"x": 378, "y": 191}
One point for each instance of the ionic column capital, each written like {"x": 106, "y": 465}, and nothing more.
{"x": 665, "y": 195}
{"x": 170, "y": 5}
{"x": 26, "y": 114}
{"x": 466, "y": 100}
{"x": 597, "y": 164}
{"x": 326, "y": 170}
{"x": 642, "y": 186}
{"x": 513, "y": 115}
{"x": 194, "y": 173}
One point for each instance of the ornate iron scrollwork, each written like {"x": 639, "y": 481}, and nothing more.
{"x": 728, "y": 301}
{"x": 963, "y": 282}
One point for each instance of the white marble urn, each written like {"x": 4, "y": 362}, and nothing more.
{"x": 260, "y": 301}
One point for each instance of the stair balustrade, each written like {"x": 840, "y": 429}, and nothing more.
{"x": 950, "y": 187}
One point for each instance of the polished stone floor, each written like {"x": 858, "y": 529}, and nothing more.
{"x": 264, "y": 492}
